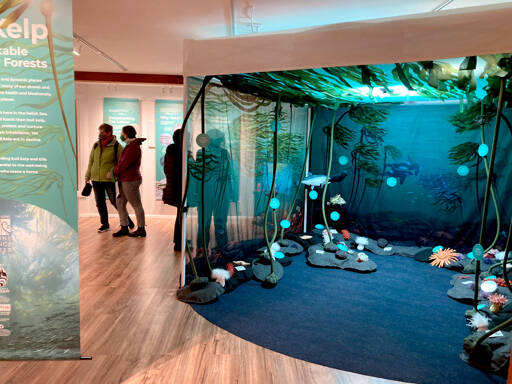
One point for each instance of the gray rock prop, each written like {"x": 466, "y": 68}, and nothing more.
{"x": 200, "y": 296}
{"x": 382, "y": 243}
{"x": 462, "y": 289}
{"x": 261, "y": 269}
{"x": 494, "y": 354}
{"x": 329, "y": 260}
{"x": 288, "y": 247}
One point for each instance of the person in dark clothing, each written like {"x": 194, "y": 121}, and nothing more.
{"x": 172, "y": 193}
{"x": 127, "y": 171}
{"x": 104, "y": 156}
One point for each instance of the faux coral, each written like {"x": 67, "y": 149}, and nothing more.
{"x": 443, "y": 257}
{"x": 501, "y": 282}
{"x": 497, "y": 301}
{"x": 231, "y": 269}
{"x": 346, "y": 234}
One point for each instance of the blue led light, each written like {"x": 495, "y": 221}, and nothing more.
{"x": 319, "y": 226}
{"x": 313, "y": 195}
{"x": 343, "y": 160}
{"x": 478, "y": 252}
{"x": 285, "y": 224}
{"x": 279, "y": 255}
{"x": 335, "y": 216}
{"x": 437, "y": 249}
{"x": 274, "y": 203}
{"x": 391, "y": 182}
{"x": 342, "y": 247}
{"x": 483, "y": 150}
{"x": 463, "y": 170}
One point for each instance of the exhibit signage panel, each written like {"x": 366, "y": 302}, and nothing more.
{"x": 120, "y": 112}
{"x": 168, "y": 118}
{"x": 39, "y": 285}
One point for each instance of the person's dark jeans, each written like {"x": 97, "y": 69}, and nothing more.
{"x": 177, "y": 231}
{"x": 100, "y": 188}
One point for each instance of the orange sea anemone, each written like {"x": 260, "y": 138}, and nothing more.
{"x": 497, "y": 301}
{"x": 443, "y": 257}
{"x": 346, "y": 234}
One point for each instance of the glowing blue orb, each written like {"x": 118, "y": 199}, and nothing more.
{"x": 492, "y": 277}
{"x": 343, "y": 160}
{"x": 273, "y": 126}
{"x": 274, "y": 203}
{"x": 483, "y": 150}
{"x": 470, "y": 255}
{"x": 391, "y": 182}
{"x": 478, "y": 252}
{"x": 335, "y": 216}
{"x": 342, "y": 247}
{"x": 480, "y": 306}
{"x": 313, "y": 195}
{"x": 437, "y": 249}
{"x": 285, "y": 224}
{"x": 463, "y": 170}
{"x": 319, "y": 226}
{"x": 279, "y": 255}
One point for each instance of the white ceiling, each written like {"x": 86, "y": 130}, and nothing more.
{"x": 146, "y": 36}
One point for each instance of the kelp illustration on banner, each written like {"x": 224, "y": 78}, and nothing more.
{"x": 39, "y": 285}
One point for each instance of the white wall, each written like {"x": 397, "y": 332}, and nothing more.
{"x": 89, "y": 104}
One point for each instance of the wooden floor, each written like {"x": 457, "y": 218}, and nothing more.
{"x": 137, "y": 332}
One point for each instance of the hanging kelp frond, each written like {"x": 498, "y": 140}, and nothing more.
{"x": 471, "y": 118}
{"x": 400, "y": 75}
{"x": 463, "y": 153}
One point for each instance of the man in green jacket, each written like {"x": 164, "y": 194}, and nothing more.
{"x": 104, "y": 156}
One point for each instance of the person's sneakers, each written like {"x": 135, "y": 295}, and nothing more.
{"x": 122, "y": 232}
{"x": 131, "y": 224}
{"x": 139, "y": 232}
{"x": 104, "y": 228}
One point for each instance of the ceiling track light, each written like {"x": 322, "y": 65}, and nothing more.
{"x": 442, "y": 5}
{"x": 98, "y": 51}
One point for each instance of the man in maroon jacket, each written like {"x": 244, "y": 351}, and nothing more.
{"x": 127, "y": 171}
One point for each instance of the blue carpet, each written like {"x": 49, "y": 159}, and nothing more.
{"x": 397, "y": 323}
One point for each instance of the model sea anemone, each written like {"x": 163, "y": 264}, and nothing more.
{"x": 479, "y": 321}
{"x": 443, "y": 257}
{"x": 362, "y": 257}
{"x": 497, "y": 301}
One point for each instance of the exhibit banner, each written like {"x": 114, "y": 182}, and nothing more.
{"x": 168, "y": 118}
{"x": 120, "y": 112}
{"x": 39, "y": 285}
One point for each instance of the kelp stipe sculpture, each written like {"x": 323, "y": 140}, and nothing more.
{"x": 488, "y": 188}
{"x": 271, "y": 279}
{"x": 508, "y": 246}
{"x": 330, "y": 246}
{"x": 181, "y": 208}
{"x": 306, "y": 157}
{"x": 203, "y": 175}
{"x": 493, "y": 193}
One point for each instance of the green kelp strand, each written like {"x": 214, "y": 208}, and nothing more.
{"x": 328, "y": 174}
